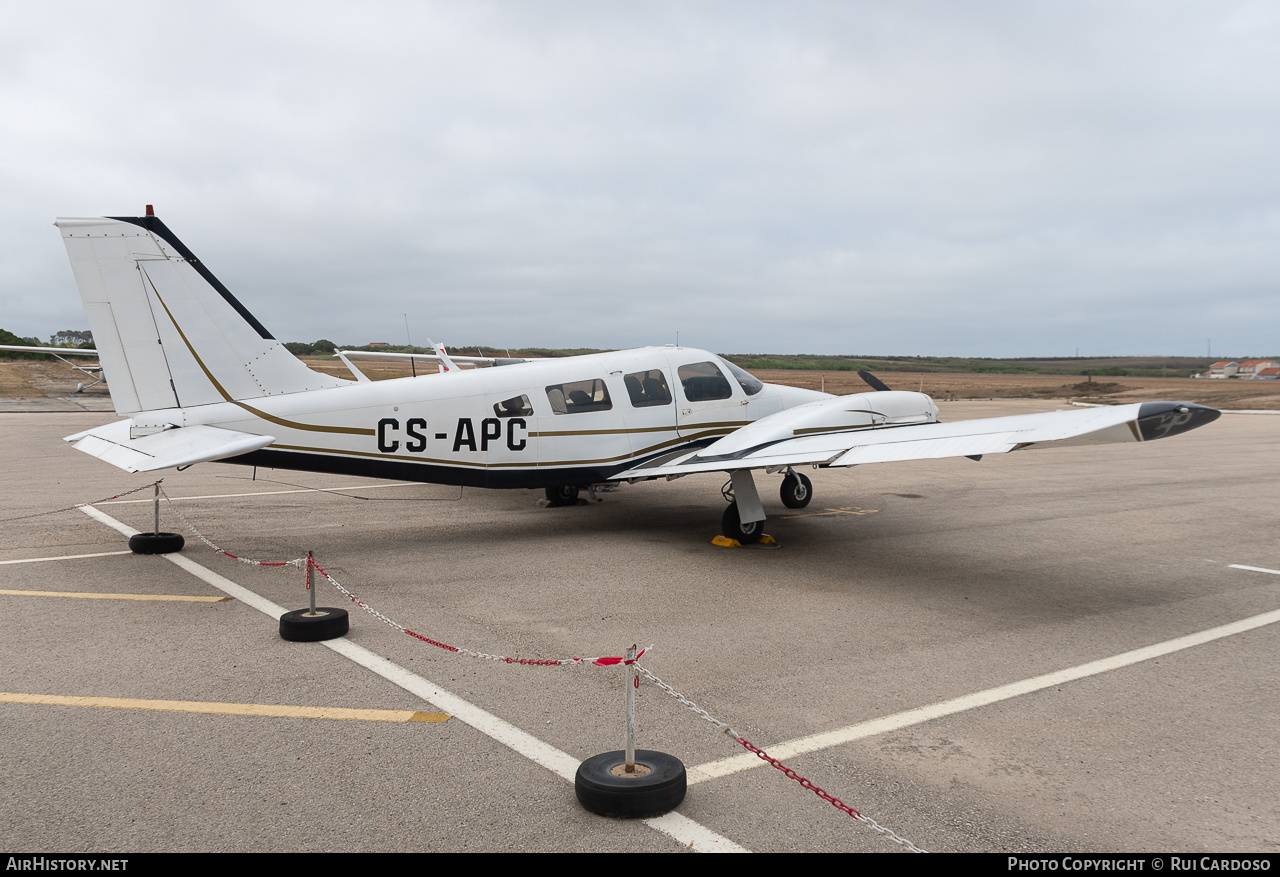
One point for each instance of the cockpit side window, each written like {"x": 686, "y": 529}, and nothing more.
{"x": 648, "y": 388}
{"x": 703, "y": 382}
{"x": 577, "y": 397}
{"x": 516, "y": 406}
{"x": 750, "y": 383}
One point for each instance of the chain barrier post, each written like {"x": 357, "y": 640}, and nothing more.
{"x": 631, "y": 783}
{"x": 310, "y": 583}
{"x": 156, "y": 542}
{"x": 313, "y": 624}
{"x": 632, "y": 683}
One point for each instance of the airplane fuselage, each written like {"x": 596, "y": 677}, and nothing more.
{"x": 575, "y": 420}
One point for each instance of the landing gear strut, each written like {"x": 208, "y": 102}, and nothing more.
{"x": 744, "y": 518}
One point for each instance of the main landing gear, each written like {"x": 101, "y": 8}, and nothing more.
{"x": 744, "y": 518}
{"x": 565, "y": 494}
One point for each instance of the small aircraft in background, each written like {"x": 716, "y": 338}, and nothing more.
{"x": 93, "y": 371}
{"x": 198, "y": 378}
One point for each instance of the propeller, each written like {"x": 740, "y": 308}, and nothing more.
{"x": 872, "y": 381}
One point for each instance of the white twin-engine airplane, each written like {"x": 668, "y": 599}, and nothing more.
{"x": 198, "y": 378}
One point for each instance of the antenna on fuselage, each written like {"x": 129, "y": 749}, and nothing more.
{"x": 413, "y": 366}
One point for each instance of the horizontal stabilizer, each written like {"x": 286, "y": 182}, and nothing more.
{"x": 180, "y": 446}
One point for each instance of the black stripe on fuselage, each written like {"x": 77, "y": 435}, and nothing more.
{"x": 159, "y": 229}
{"x": 429, "y": 473}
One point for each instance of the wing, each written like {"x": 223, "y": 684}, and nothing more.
{"x": 178, "y": 446}
{"x": 782, "y": 445}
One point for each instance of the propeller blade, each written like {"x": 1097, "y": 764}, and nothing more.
{"x": 872, "y": 381}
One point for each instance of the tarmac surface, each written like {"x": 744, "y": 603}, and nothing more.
{"x": 902, "y": 587}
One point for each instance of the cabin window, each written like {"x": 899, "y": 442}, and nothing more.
{"x": 578, "y": 397}
{"x": 750, "y": 383}
{"x": 516, "y": 406}
{"x": 648, "y": 389}
{"x": 703, "y": 382}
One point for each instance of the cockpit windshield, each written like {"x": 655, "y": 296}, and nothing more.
{"x": 750, "y": 385}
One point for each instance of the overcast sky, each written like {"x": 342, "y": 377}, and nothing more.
{"x": 932, "y": 178}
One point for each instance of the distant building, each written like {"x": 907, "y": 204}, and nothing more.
{"x": 1250, "y": 369}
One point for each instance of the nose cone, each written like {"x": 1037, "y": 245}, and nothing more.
{"x": 1163, "y": 419}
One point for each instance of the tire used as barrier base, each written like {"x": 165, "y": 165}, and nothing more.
{"x": 657, "y": 787}
{"x": 300, "y": 626}
{"x": 156, "y": 543}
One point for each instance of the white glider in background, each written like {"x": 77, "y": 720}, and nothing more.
{"x": 199, "y": 378}
{"x": 93, "y": 371}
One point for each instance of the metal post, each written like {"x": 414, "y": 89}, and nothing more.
{"x": 631, "y": 710}
{"x": 311, "y": 590}
{"x": 156, "y": 503}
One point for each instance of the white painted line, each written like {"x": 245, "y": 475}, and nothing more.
{"x": 782, "y": 751}
{"x": 267, "y": 493}
{"x": 1274, "y": 572}
{"x": 688, "y": 833}
{"x": 65, "y": 557}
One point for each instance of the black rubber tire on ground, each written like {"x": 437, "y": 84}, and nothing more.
{"x": 636, "y": 797}
{"x": 328, "y": 623}
{"x": 797, "y": 490}
{"x": 156, "y": 543}
{"x": 565, "y": 494}
{"x": 733, "y": 528}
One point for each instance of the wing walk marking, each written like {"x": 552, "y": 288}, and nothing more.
{"x": 843, "y": 510}
{"x": 227, "y": 709}
{"x": 816, "y": 742}
{"x": 279, "y": 421}
{"x": 92, "y": 595}
{"x": 69, "y": 556}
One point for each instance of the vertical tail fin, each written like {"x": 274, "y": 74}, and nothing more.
{"x": 168, "y": 333}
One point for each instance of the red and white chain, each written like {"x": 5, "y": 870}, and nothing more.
{"x": 80, "y": 505}
{"x": 552, "y": 662}
{"x": 529, "y": 662}
{"x": 751, "y": 747}
{"x": 299, "y": 562}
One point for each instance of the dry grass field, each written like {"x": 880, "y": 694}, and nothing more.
{"x": 26, "y": 379}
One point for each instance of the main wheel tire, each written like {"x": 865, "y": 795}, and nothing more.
{"x": 733, "y": 528}
{"x": 156, "y": 543}
{"x": 797, "y": 490}
{"x": 565, "y": 494}
{"x": 602, "y": 790}
{"x": 300, "y": 627}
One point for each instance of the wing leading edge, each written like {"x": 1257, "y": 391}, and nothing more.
{"x": 1138, "y": 422}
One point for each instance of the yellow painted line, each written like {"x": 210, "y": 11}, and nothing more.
{"x": 93, "y": 595}
{"x": 846, "y": 510}
{"x": 227, "y": 709}
{"x": 66, "y": 556}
